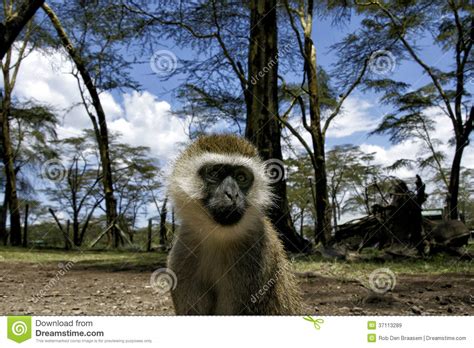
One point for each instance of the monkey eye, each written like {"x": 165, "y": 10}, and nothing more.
{"x": 213, "y": 174}
{"x": 241, "y": 178}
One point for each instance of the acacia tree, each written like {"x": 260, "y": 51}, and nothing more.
{"x": 404, "y": 125}
{"x": 351, "y": 178}
{"x": 213, "y": 90}
{"x": 313, "y": 93}
{"x": 239, "y": 41}
{"x": 398, "y": 25}
{"x": 10, "y": 68}
{"x": 136, "y": 180}
{"x": 341, "y": 161}
{"x": 98, "y": 70}
{"x": 76, "y": 189}
{"x": 351, "y": 174}
{"x": 32, "y": 127}
{"x": 362, "y": 177}
{"x": 300, "y": 192}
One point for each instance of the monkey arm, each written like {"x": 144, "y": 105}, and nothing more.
{"x": 190, "y": 297}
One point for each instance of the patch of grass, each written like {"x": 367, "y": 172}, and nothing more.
{"x": 359, "y": 270}
{"x": 101, "y": 259}
{"x": 120, "y": 260}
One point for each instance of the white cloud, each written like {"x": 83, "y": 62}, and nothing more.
{"x": 414, "y": 148}
{"x": 141, "y": 118}
{"x": 386, "y": 156}
{"x": 355, "y": 117}
{"x": 112, "y": 109}
{"x": 47, "y": 79}
{"x": 149, "y": 122}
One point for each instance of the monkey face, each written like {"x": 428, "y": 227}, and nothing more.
{"x": 226, "y": 187}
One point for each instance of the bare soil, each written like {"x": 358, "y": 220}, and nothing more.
{"x": 89, "y": 290}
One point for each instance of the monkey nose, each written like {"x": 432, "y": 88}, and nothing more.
{"x": 231, "y": 190}
{"x": 232, "y": 195}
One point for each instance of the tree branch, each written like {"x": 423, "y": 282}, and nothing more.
{"x": 15, "y": 23}
{"x": 345, "y": 95}
{"x": 300, "y": 138}
{"x": 415, "y": 56}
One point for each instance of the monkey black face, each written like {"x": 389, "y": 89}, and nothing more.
{"x": 226, "y": 187}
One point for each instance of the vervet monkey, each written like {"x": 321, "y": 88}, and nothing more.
{"x": 226, "y": 255}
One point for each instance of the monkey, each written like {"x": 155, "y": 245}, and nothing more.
{"x": 226, "y": 255}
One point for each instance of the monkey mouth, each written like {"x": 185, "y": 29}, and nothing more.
{"x": 228, "y": 216}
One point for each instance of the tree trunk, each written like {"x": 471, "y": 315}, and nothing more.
{"x": 323, "y": 209}
{"x": 334, "y": 212}
{"x": 164, "y": 213}
{"x": 302, "y": 221}
{"x": 462, "y": 141}
{"x": 101, "y": 130}
{"x": 262, "y": 126}
{"x": 13, "y": 203}
{"x": 67, "y": 244}
{"x": 25, "y": 228}
{"x": 67, "y": 241}
{"x": 453, "y": 189}
{"x": 76, "y": 230}
{"x": 148, "y": 243}
{"x": 3, "y": 214}
{"x": 15, "y": 23}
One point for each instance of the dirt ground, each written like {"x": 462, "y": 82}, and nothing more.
{"x": 85, "y": 290}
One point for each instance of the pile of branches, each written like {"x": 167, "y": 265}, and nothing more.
{"x": 399, "y": 222}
